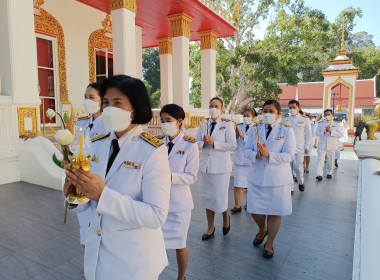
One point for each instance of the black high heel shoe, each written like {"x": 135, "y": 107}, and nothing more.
{"x": 267, "y": 254}
{"x": 257, "y": 242}
{"x": 226, "y": 230}
{"x": 208, "y": 236}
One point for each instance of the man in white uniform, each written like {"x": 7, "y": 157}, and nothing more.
{"x": 302, "y": 130}
{"x": 328, "y": 132}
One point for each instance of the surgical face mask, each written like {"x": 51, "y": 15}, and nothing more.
{"x": 328, "y": 118}
{"x": 90, "y": 106}
{"x": 293, "y": 112}
{"x": 116, "y": 119}
{"x": 169, "y": 128}
{"x": 269, "y": 118}
{"x": 247, "y": 120}
{"x": 214, "y": 113}
{"x": 260, "y": 117}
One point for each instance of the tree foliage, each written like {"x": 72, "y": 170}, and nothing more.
{"x": 298, "y": 44}
{"x": 151, "y": 74}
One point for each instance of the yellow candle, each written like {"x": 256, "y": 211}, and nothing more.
{"x": 257, "y": 136}
{"x": 52, "y": 129}
{"x": 80, "y": 146}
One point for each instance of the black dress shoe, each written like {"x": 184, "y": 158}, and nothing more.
{"x": 226, "y": 230}
{"x": 245, "y": 207}
{"x": 319, "y": 178}
{"x": 235, "y": 210}
{"x": 301, "y": 187}
{"x": 336, "y": 163}
{"x": 267, "y": 254}
{"x": 307, "y": 171}
{"x": 208, "y": 236}
{"x": 291, "y": 192}
{"x": 295, "y": 179}
{"x": 329, "y": 176}
{"x": 257, "y": 242}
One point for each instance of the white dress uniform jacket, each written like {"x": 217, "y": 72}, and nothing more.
{"x": 124, "y": 239}
{"x": 314, "y": 124}
{"x": 97, "y": 129}
{"x": 184, "y": 166}
{"x": 302, "y": 131}
{"x": 217, "y": 159}
{"x": 329, "y": 141}
{"x": 281, "y": 144}
{"x": 240, "y": 158}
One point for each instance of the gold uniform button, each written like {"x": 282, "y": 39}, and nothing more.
{"x": 99, "y": 232}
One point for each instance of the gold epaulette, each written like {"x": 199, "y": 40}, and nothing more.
{"x": 305, "y": 116}
{"x": 336, "y": 121}
{"x": 161, "y": 136}
{"x": 321, "y": 121}
{"x": 84, "y": 118}
{"x": 100, "y": 136}
{"x": 285, "y": 116}
{"x": 190, "y": 139}
{"x": 285, "y": 124}
{"x": 225, "y": 120}
{"x": 151, "y": 139}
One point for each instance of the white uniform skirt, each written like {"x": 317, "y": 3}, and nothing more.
{"x": 213, "y": 191}
{"x": 240, "y": 175}
{"x": 310, "y": 149}
{"x": 276, "y": 201}
{"x": 175, "y": 229}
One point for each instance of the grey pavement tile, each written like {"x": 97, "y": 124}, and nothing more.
{"x": 17, "y": 267}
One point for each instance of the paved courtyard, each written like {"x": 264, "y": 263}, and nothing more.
{"x": 315, "y": 242}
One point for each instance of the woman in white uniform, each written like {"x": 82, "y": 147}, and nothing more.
{"x": 271, "y": 147}
{"x": 313, "y": 123}
{"x": 129, "y": 188}
{"x": 242, "y": 163}
{"x": 184, "y": 164}
{"x": 92, "y": 105}
{"x": 216, "y": 139}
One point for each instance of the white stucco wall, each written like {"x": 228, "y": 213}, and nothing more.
{"x": 78, "y": 21}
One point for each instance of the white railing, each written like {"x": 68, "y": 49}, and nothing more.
{"x": 219, "y": 11}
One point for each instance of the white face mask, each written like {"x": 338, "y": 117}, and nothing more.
{"x": 90, "y": 106}
{"x": 328, "y": 118}
{"x": 248, "y": 120}
{"x": 169, "y": 128}
{"x": 214, "y": 113}
{"x": 269, "y": 118}
{"x": 116, "y": 119}
{"x": 260, "y": 117}
{"x": 293, "y": 112}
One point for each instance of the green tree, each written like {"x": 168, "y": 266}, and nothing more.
{"x": 151, "y": 74}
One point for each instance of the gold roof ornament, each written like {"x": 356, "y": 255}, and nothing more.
{"x": 342, "y": 46}
{"x": 107, "y": 26}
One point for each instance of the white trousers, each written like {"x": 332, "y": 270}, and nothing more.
{"x": 321, "y": 161}
{"x": 297, "y": 167}
{"x": 337, "y": 151}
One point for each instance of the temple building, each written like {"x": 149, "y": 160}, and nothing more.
{"x": 50, "y": 50}
{"x": 340, "y": 91}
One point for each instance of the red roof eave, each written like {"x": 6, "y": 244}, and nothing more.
{"x": 152, "y": 16}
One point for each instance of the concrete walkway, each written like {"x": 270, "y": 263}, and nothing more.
{"x": 316, "y": 242}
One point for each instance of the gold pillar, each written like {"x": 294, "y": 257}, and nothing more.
{"x": 180, "y": 25}
{"x": 208, "y": 40}
{"x": 126, "y": 4}
{"x": 165, "y": 45}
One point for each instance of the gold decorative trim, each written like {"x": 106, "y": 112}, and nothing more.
{"x": 165, "y": 45}
{"x": 180, "y": 25}
{"x": 27, "y": 112}
{"x": 126, "y": 4}
{"x": 100, "y": 39}
{"x": 340, "y": 73}
{"x": 350, "y": 96}
{"x": 208, "y": 40}
{"x": 47, "y": 24}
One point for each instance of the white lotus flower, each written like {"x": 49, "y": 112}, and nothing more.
{"x": 64, "y": 137}
{"x": 50, "y": 113}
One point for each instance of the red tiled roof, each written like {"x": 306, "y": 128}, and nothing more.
{"x": 310, "y": 95}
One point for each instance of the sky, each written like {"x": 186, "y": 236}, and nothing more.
{"x": 370, "y": 22}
